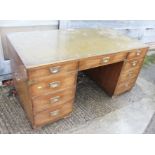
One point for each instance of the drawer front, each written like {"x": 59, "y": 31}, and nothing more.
{"x": 132, "y": 64}
{"x": 50, "y": 85}
{"x": 49, "y": 101}
{"x": 113, "y": 58}
{"x": 89, "y": 63}
{"x": 53, "y": 115}
{"x": 101, "y": 60}
{"x": 127, "y": 75}
{"x": 124, "y": 86}
{"x": 54, "y": 69}
{"x": 137, "y": 53}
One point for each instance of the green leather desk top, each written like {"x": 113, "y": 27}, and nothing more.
{"x": 46, "y": 47}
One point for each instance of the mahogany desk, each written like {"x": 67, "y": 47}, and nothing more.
{"x": 45, "y": 66}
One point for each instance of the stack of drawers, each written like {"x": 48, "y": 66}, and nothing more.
{"x": 130, "y": 71}
{"x": 52, "y": 90}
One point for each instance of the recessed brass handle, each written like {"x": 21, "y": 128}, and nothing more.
{"x": 54, "y": 113}
{"x": 54, "y": 84}
{"x": 138, "y": 52}
{"x": 54, "y": 99}
{"x": 55, "y": 70}
{"x": 134, "y": 63}
{"x": 105, "y": 59}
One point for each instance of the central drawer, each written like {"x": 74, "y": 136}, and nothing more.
{"x": 51, "y": 85}
{"x": 97, "y": 61}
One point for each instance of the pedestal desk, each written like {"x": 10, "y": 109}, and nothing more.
{"x": 45, "y": 65}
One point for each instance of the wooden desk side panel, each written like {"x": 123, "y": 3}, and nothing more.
{"x": 106, "y": 76}
{"x": 20, "y": 81}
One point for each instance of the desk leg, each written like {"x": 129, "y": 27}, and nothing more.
{"x": 106, "y": 76}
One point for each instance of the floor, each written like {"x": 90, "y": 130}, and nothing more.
{"x": 94, "y": 111}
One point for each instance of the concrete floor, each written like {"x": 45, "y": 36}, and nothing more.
{"x": 131, "y": 119}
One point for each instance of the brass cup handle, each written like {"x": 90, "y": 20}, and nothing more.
{"x": 54, "y": 84}
{"x": 54, "y": 99}
{"x": 105, "y": 59}
{"x": 54, "y": 70}
{"x": 134, "y": 63}
{"x": 138, "y": 52}
{"x": 55, "y": 113}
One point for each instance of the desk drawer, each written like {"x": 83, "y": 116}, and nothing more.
{"x": 127, "y": 75}
{"x": 54, "y": 69}
{"x": 101, "y": 60}
{"x": 50, "y": 85}
{"x": 137, "y": 53}
{"x": 131, "y": 64}
{"x": 90, "y": 63}
{"x": 53, "y": 115}
{"x": 113, "y": 58}
{"x": 124, "y": 86}
{"x": 49, "y": 101}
